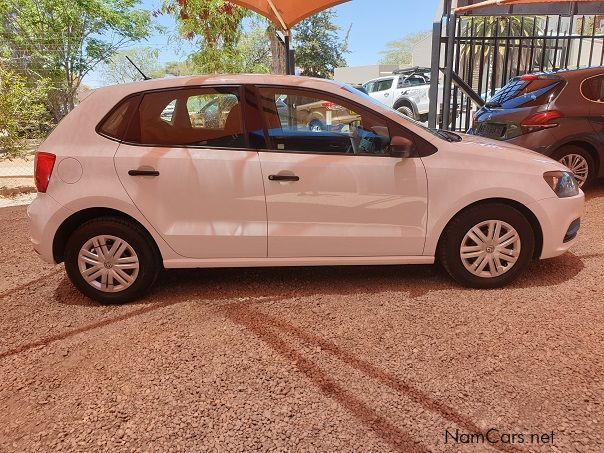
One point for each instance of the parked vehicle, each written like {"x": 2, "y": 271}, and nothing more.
{"x": 124, "y": 191}
{"x": 406, "y": 90}
{"x": 559, "y": 114}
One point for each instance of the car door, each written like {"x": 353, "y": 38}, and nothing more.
{"x": 338, "y": 192}
{"x": 383, "y": 91}
{"x": 190, "y": 172}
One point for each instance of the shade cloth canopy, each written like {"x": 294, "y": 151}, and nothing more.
{"x": 287, "y": 13}
{"x": 490, "y": 3}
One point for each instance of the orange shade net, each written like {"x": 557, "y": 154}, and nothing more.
{"x": 491, "y": 3}
{"x": 287, "y": 13}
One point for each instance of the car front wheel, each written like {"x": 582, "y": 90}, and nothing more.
{"x": 487, "y": 246}
{"x": 111, "y": 260}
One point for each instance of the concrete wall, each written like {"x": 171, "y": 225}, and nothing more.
{"x": 361, "y": 74}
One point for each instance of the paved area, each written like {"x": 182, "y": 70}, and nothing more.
{"x": 335, "y": 359}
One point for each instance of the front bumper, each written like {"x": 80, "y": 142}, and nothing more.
{"x": 558, "y": 217}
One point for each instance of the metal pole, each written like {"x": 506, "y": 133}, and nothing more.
{"x": 448, "y": 83}
{"x": 434, "y": 73}
{"x": 288, "y": 63}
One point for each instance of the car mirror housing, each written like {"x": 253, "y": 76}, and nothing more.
{"x": 401, "y": 147}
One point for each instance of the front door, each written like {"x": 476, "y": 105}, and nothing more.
{"x": 338, "y": 192}
{"x": 188, "y": 169}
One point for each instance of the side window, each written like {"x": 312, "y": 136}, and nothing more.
{"x": 370, "y": 87}
{"x": 303, "y": 121}
{"x": 593, "y": 88}
{"x": 115, "y": 124}
{"x": 384, "y": 85}
{"x": 204, "y": 117}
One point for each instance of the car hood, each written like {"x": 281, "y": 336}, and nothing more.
{"x": 484, "y": 154}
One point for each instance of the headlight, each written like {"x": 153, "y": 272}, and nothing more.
{"x": 563, "y": 183}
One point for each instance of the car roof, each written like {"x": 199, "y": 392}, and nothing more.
{"x": 575, "y": 72}
{"x": 222, "y": 79}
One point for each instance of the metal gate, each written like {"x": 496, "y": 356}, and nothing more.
{"x": 483, "y": 52}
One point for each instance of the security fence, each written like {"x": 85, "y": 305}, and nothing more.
{"x": 478, "y": 54}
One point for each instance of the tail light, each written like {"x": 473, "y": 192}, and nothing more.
{"x": 43, "y": 165}
{"x": 540, "y": 121}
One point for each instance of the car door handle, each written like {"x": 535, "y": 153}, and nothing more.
{"x": 143, "y": 172}
{"x": 386, "y": 95}
{"x": 283, "y": 178}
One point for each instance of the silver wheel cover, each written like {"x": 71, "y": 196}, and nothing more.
{"x": 108, "y": 263}
{"x": 578, "y": 165}
{"x": 490, "y": 249}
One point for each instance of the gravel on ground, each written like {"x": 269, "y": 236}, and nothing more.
{"x": 333, "y": 359}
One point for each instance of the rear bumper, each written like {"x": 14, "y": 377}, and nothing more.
{"x": 558, "y": 218}
{"x": 45, "y": 216}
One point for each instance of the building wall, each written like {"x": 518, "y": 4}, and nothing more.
{"x": 361, "y": 74}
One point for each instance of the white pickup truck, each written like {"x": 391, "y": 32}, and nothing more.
{"x": 406, "y": 90}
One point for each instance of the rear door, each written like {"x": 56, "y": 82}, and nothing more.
{"x": 187, "y": 165}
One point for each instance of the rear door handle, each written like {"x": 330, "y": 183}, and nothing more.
{"x": 143, "y": 172}
{"x": 283, "y": 178}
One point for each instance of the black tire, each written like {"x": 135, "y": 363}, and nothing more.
{"x": 407, "y": 111}
{"x": 149, "y": 260}
{"x": 568, "y": 150}
{"x": 451, "y": 242}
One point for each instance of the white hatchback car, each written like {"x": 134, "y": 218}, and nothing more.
{"x": 142, "y": 176}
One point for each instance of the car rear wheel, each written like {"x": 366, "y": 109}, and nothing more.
{"x": 579, "y": 162}
{"x": 111, "y": 260}
{"x": 407, "y": 111}
{"x": 487, "y": 246}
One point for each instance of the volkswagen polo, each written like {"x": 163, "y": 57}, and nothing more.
{"x": 134, "y": 180}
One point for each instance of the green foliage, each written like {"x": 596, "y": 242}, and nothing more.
{"x": 400, "y": 52}
{"x": 118, "y": 69}
{"x": 318, "y": 48}
{"x": 63, "y": 40}
{"x": 22, "y": 112}
{"x": 216, "y": 25}
{"x": 249, "y": 55}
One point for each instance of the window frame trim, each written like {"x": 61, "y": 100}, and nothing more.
{"x": 390, "y": 124}
{"x": 583, "y": 83}
{"x": 141, "y": 94}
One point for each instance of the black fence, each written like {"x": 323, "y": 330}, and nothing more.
{"x": 485, "y": 52}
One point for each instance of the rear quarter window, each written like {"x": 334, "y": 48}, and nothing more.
{"x": 115, "y": 124}
{"x": 593, "y": 89}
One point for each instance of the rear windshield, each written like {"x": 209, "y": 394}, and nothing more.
{"x": 523, "y": 92}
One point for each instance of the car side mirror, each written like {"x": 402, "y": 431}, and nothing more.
{"x": 401, "y": 147}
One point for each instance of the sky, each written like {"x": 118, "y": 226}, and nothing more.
{"x": 374, "y": 23}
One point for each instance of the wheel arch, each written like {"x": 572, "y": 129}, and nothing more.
{"x": 405, "y": 102}
{"x": 72, "y": 222}
{"x": 531, "y": 217}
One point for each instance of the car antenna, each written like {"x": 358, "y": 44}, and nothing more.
{"x": 137, "y": 68}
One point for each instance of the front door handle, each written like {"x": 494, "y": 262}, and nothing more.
{"x": 283, "y": 178}
{"x": 143, "y": 172}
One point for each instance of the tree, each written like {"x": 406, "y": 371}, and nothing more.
{"x": 22, "y": 111}
{"x": 216, "y": 25}
{"x": 63, "y": 40}
{"x": 401, "y": 52}
{"x": 318, "y": 48}
{"x": 118, "y": 69}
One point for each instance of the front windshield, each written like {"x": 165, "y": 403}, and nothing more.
{"x": 443, "y": 135}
